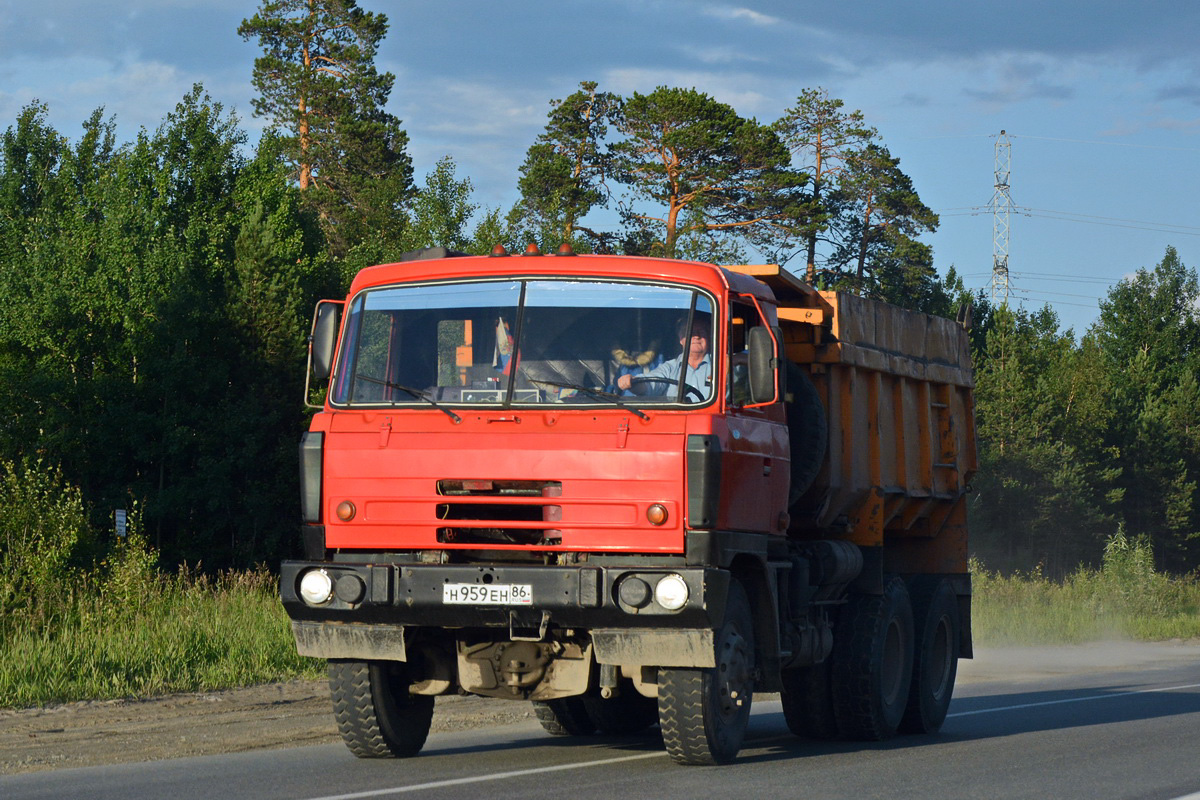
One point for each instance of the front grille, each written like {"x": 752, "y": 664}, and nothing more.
{"x": 490, "y": 488}
{"x": 492, "y": 512}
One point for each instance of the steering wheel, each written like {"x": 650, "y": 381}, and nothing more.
{"x": 645, "y": 386}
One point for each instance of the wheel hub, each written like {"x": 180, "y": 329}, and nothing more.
{"x": 733, "y": 674}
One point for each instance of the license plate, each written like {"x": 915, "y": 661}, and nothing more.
{"x": 490, "y": 594}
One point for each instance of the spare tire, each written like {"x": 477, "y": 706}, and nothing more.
{"x": 808, "y": 431}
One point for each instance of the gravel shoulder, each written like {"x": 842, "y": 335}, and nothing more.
{"x": 93, "y": 733}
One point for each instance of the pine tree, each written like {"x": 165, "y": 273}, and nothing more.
{"x": 710, "y": 171}
{"x": 823, "y": 140}
{"x": 880, "y": 215}
{"x": 566, "y": 169}
{"x": 1149, "y": 336}
{"x": 317, "y": 82}
{"x": 1046, "y": 492}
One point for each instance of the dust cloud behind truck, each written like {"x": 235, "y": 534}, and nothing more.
{"x": 633, "y": 492}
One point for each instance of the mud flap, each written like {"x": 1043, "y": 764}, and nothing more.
{"x": 349, "y": 640}
{"x": 637, "y": 647}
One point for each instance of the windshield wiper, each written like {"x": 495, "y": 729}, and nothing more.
{"x": 600, "y": 393}
{"x": 417, "y": 393}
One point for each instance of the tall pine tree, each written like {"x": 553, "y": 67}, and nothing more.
{"x": 1149, "y": 334}
{"x": 824, "y": 140}
{"x": 710, "y": 171}
{"x": 317, "y": 82}
{"x": 565, "y": 171}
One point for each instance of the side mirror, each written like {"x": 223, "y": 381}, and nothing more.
{"x": 764, "y": 366}
{"x": 323, "y": 340}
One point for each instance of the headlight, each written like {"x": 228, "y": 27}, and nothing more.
{"x": 316, "y": 587}
{"x": 671, "y": 592}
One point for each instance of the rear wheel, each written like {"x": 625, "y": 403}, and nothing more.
{"x": 808, "y": 701}
{"x": 628, "y": 713}
{"x": 565, "y": 716}
{"x": 935, "y": 666}
{"x": 375, "y": 713}
{"x": 704, "y": 712}
{"x": 872, "y": 663}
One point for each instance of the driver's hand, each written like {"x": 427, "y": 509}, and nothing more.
{"x": 624, "y": 382}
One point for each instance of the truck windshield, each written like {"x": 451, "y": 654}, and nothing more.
{"x": 517, "y": 342}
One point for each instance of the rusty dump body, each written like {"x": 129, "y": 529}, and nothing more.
{"x": 897, "y": 390}
{"x": 597, "y": 482}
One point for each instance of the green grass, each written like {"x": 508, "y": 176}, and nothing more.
{"x": 82, "y": 619}
{"x": 183, "y": 633}
{"x": 1125, "y": 598}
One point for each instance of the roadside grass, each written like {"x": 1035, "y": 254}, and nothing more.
{"x": 187, "y": 632}
{"x": 82, "y": 619}
{"x": 1125, "y": 598}
{"x": 134, "y": 632}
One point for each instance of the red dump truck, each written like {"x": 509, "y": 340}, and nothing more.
{"x": 634, "y": 492}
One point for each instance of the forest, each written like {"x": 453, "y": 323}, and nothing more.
{"x": 157, "y": 296}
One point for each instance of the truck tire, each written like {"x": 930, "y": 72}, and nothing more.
{"x": 375, "y": 714}
{"x": 872, "y": 663}
{"x": 935, "y": 665}
{"x": 564, "y": 716}
{"x": 704, "y": 712}
{"x": 808, "y": 432}
{"x": 808, "y": 701}
{"x": 628, "y": 713}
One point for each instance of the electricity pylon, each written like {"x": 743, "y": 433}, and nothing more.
{"x": 1001, "y": 205}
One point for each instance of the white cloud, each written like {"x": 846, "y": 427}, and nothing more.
{"x": 485, "y": 127}
{"x": 726, "y": 54}
{"x": 137, "y": 93}
{"x": 739, "y": 13}
{"x": 476, "y": 109}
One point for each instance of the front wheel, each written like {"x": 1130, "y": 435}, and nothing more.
{"x": 704, "y": 712}
{"x": 375, "y": 713}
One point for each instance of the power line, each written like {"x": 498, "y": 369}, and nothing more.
{"x": 1022, "y": 295}
{"x": 1068, "y": 276}
{"x": 1173, "y": 230}
{"x": 1063, "y": 294}
{"x": 1112, "y": 219}
{"x": 1050, "y": 277}
{"x": 1056, "y": 139}
{"x": 1088, "y": 219}
{"x": 1027, "y": 276}
{"x": 1115, "y": 144}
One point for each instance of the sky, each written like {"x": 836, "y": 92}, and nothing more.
{"x": 1100, "y": 100}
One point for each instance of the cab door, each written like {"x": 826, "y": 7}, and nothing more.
{"x": 756, "y": 464}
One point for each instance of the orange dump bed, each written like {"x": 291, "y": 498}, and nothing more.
{"x": 897, "y": 389}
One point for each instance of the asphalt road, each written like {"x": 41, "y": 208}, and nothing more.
{"x": 1046, "y": 723}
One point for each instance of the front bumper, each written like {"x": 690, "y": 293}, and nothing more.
{"x": 399, "y": 598}
{"x": 563, "y": 597}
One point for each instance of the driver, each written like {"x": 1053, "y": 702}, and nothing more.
{"x": 699, "y": 362}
